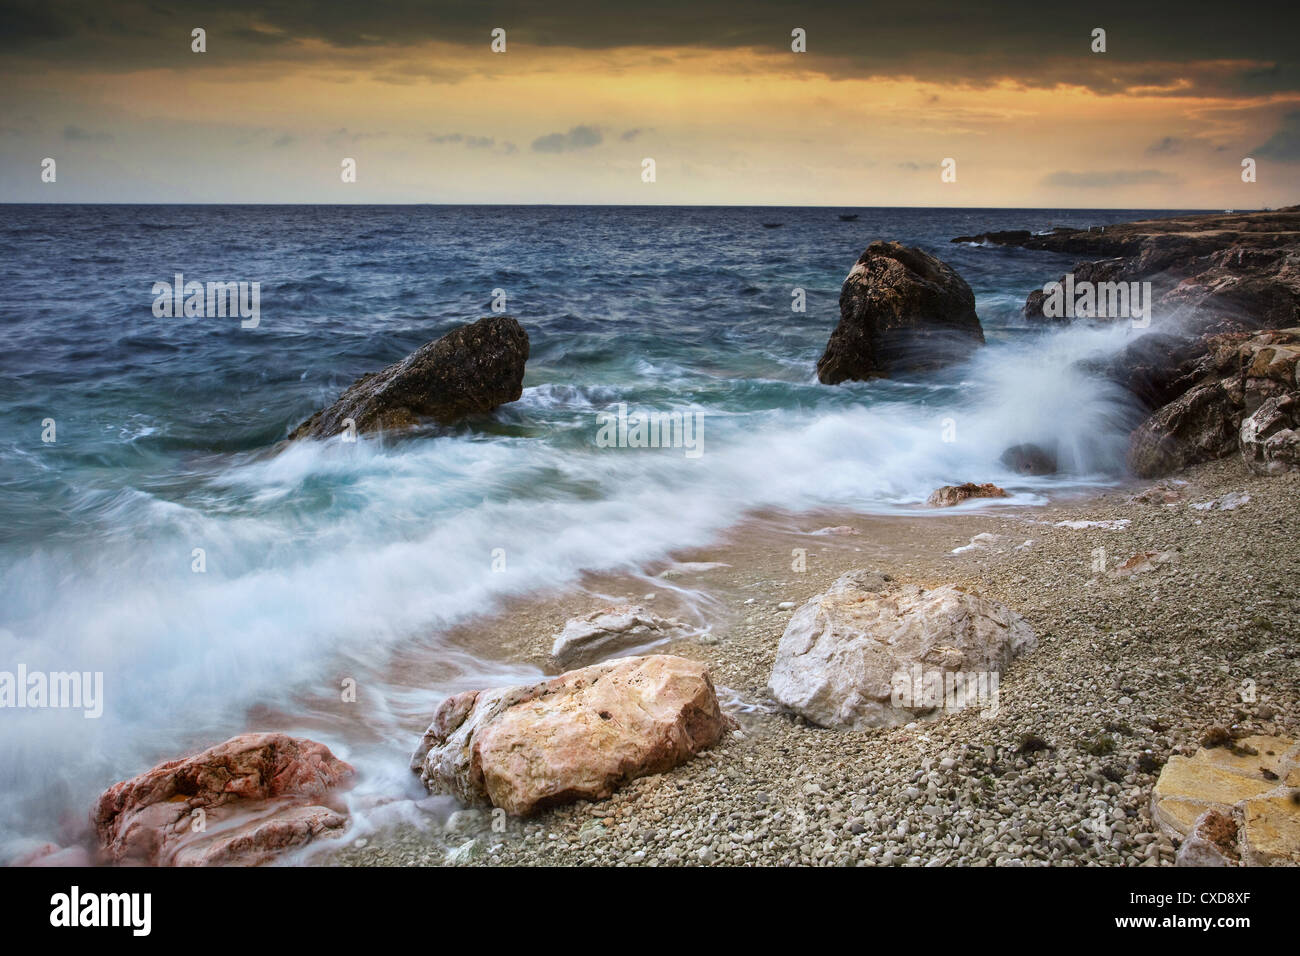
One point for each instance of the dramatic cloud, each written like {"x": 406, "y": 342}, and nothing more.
{"x": 1285, "y": 143}
{"x": 580, "y": 137}
{"x": 952, "y": 40}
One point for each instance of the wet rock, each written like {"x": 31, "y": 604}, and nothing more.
{"x": 848, "y": 653}
{"x": 1029, "y": 459}
{"x": 901, "y": 310}
{"x": 239, "y": 803}
{"x": 470, "y": 370}
{"x": 578, "y": 736}
{"x": 602, "y": 633}
{"x": 1241, "y": 376}
{"x": 950, "y": 495}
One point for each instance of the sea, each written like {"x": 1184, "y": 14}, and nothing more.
{"x": 155, "y": 531}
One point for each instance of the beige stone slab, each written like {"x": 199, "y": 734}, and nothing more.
{"x": 1273, "y": 830}
{"x": 1203, "y": 780}
{"x": 1179, "y": 815}
{"x": 1270, "y": 756}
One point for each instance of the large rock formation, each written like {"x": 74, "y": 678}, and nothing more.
{"x": 1218, "y": 281}
{"x": 586, "y": 639}
{"x": 1209, "y": 274}
{"x": 869, "y": 652}
{"x": 470, "y": 370}
{"x": 238, "y": 803}
{"x": 901, "y": 310}
{"x": 1244, "y": 397}
{"x": 578, "y": 736}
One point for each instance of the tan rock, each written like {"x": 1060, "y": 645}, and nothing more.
{"x": 577, "y": 736}
{"x": 1268, "y": 758}
{"x": 238, "y": 803}
{"x": 950, "y": 495}
{"x": 1272, "y": 834}
{"x": 1248, "y": 780}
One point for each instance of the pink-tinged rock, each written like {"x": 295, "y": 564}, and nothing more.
{"x": 578, "y": 736}
{"x": 950, "y": 495}
{"x": 1145, "y": 561}
{"x": 236, "y": 804}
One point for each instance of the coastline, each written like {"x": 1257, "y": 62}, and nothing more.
{"x": 1127, "y": 672}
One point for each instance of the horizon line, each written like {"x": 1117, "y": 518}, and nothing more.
{"x": 559, "y": 205}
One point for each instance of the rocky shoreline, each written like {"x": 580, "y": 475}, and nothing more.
{"x": 1145, "y": 628}
{"x": 1130, "y": 670}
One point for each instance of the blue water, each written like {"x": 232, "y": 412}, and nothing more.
{"x": 326, "y": 559}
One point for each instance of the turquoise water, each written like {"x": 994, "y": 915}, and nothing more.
{"x": 326, "y": 559}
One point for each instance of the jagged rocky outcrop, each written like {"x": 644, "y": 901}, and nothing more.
{"x": 1243, "y": 398}
{"x": 901, "y": 310}
{"x": 578, "y": 736}
{"x": 1217, "y": 272}
{"x": 239, "y": 803}
{"x": 1215, "y": 370}
{"x": 470, "y": 370}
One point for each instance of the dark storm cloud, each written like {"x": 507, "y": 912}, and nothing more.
{"x": 953, "y": 40}
{"x": 1285, "y": 143}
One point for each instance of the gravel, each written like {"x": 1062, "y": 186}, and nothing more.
{"x": 1127, "y": 672}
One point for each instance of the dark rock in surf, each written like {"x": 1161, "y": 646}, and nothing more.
{"x": 901, "y": 310}
{"x": 470, "y": 370}
{"x": 1029, "y": 459}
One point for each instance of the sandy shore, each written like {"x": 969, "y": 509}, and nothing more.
{"x": 1126, "y": 673}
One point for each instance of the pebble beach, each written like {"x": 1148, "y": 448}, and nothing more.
{"x": 1128, "y": 671}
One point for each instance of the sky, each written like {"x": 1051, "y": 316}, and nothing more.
{"x": 585, "y": 92}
